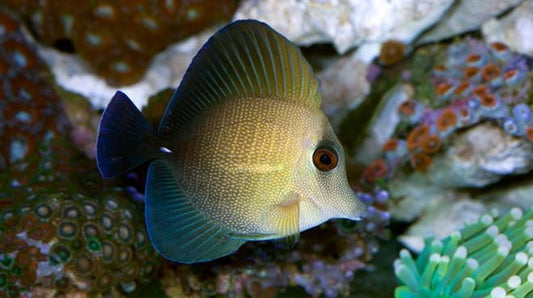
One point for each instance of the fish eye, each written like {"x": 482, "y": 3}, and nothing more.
{"x": 325, "y": 159}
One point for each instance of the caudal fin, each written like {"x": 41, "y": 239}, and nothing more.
{"x": 125, "y": 138}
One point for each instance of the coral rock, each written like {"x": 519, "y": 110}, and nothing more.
{"x": 514, "y": 29}
{"x": 466, "y": 16}
{"x": 346, "y": 23}
{"x": 118, "y": 39}
{"x": 30, "y": 109}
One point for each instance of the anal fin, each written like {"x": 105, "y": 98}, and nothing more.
{"x": 176, "y": 229}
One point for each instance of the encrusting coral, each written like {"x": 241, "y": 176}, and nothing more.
{"x": 30, "y": 109}
{"x": 119, "y": 38}
{"x": 64, "y": 231}
{"x": 474, "y": 83}
{"x": 491, "y": 257}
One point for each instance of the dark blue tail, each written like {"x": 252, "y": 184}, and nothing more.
{"x": 125, "y": 138}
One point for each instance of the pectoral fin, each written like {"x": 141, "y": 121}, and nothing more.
{"x": 287, "y": 222}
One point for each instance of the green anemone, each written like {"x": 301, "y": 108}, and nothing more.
{"x": 492, "y": 257}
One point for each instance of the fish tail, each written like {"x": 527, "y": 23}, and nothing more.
{"x": 125, "y": 138}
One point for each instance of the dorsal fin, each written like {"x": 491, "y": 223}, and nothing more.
{"x": 245, "y": 59}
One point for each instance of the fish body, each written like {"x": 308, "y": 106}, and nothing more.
{"x": 243, "y": 151}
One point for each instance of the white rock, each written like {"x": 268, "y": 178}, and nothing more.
{"x": 447, "y": 211}
{"x": 344, "y": 86}
{"x": 466, "y": 16}
{"x": 509, "y": 195}
{"x": 346, "y": 23}
{"x": 165, "y": 71}
{"x": 383, "y": 123}
{"x": 476, "y": 158}
{"x": 515, "y": 29}
{"x": 443, "y": 216}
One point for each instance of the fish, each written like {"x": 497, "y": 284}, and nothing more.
{"x": 243, "y": 151}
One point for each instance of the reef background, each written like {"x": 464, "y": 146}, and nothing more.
{"x": 431, "y": 100}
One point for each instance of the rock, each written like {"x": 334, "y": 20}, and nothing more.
{"x": 30, "y": 109}
{"x": 449, "y": 210}
{"x": 346, "y": 23}
{"x": 515, "y": 29}
{"x": 383, "y": 123}
{"x": 476, "y": 158}
{"x": 344, "y": 86}
{"x": 466, "y": 16}
{"x": 514, "y": 193}
{"x": 165, "y": 71}
{"x": 441, "y": 217}
{"x": 117, "y": 40}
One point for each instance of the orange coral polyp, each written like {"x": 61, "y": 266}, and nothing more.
{"x": 376, "y": 170}
{"x": 510, "y": 74}
{"x": 443, "y": 88}
{"x": 499, "y": 47}
{"x": 446, "y": 120}
{"x": 481, "y": 90}
{"x": 421, "y": 161}
{"x": 488, "y": 101}
{"x": 471, "y": 72}
{"x": 390, "y": 145}
{"x": 416, "y": 137}
{"x": 490, "y": 72}
{"x": 464, "y": 112}
{"x": 473, "y": 58}
{"x": 529, "y": 133}
{"x": 431, "y": 144}
{"x": 392, "y": 52}
{"x": 462, "y": 87}
{"x": 407, "y": 108}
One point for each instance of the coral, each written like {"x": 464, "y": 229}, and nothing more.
{"x": 62, "y": 230}
{"x": 490, "y": 257}
{"x": 73, "y": 242}
{"x": 30, "y": 110}
{"x": 392, "y": 51}
{"x": 119, "y": 38}
{"x": 474, "y": 83}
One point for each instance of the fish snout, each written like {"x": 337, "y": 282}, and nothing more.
{"x": 360, "y": 212}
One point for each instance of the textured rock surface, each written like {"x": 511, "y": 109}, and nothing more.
{"x": 346, "y": 23}
{"x": 514, "y": 29}
{"x": 441, "y": 217}
{"x": 478, "y": 157}
{"x": 30, "y": 109}
{"x": 165, "y": 71}
{"x": 344, "y": 86}
{"x": 384, "y": 122}
{"x": 118, "y": 39}
{"x": 466, "y": 16}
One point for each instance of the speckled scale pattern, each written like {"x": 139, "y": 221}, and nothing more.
{"x": 241, "y": 170}
{"x": 118, "y": 39}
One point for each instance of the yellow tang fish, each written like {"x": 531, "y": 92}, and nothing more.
{"x": 243, "y": 152}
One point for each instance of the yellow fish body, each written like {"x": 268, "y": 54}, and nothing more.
{"x": 243, "y": 151}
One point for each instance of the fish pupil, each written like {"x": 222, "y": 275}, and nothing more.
{"x": 325, "y": 159}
